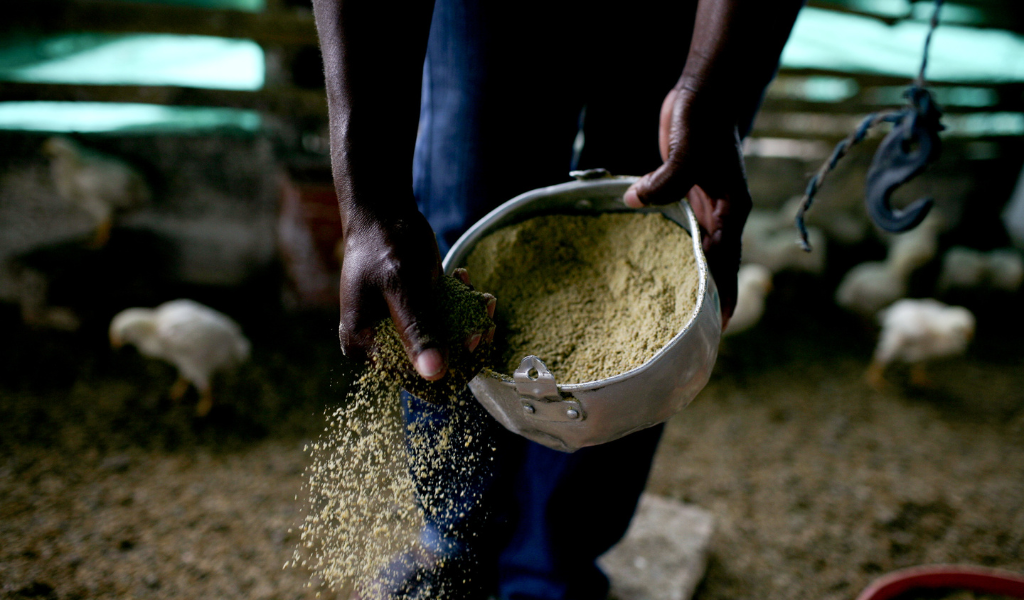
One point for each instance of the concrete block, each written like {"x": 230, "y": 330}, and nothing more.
{"x": 664, "y": 553}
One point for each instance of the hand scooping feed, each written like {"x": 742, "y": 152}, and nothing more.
{"x": 467, "y": 329}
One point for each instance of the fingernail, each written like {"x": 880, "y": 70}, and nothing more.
{"x": 474, "y": 341}
{"x": 462, "y": 275}
{"x": 491, "y": 303}
{"x": 429, "y": 364}
{"x": 631, "y": 199}
{"x": 489, "y": 336}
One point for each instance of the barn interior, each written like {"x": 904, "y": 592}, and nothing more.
{"x": 821, "y": 474}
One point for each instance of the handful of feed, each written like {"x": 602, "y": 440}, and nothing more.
{"x": 464, "y": 312}
{"x": 592, "y": 296}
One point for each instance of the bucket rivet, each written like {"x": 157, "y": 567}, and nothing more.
{"x": 572, "y": 413}
{"x": 529, "y": 408}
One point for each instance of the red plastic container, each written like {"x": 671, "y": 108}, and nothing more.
{"x": 964, "y": 577}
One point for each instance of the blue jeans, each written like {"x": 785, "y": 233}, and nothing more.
{"x": 504, "y": 86}
{"x": 530, "y": 523}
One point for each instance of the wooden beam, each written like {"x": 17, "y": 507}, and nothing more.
{"x": 1001, "y": 14}
{"x": 842, "y": 8}
{"x": 833, "y": 127}
{"x": 875, "y": 79}
{"x": 110, "y": 16}
{"x": 855, "y": 106}
{"x": 286, "y": 102}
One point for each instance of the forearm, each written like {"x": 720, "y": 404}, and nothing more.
{"x": 735, "y": 49}
{"x": 373, "y": 63}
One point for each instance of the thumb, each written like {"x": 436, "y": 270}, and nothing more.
{"x": 665, "y": 185}
{"x": 415, "y": 315}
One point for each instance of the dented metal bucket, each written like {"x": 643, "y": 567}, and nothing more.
{"x": 572, "y": 416}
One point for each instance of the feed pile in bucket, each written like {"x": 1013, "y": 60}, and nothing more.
{"x": 365, "y": 510}
{"x": 591, "y": 296}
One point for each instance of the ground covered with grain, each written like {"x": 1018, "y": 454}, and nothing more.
{"x": 819, "y": 483}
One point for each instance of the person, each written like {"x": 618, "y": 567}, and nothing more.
{"x": 483, "y": 100}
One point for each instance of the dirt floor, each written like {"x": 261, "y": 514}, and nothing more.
{"x": 818, "y": 482}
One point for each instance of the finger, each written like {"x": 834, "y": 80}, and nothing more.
{"x": 665, "y": 185}
{"x": 475, "y": 338}
{"x": 665, "y": 123}
{"x": 356, "y": 322}
{"x": 724, "y": 263}
{"x": 413, "y": 310}
{"x": 490, "y": 302}
{"x": 463, "y": 276}
{"x": 722, "y": 217}
{"x": 473, "y": 341}
{"x": 704, "y": 210}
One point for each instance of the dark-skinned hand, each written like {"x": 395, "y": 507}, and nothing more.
{"x": 703, "y": 160}
{"x": 391, "y": 267}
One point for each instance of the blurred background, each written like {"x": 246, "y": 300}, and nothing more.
{"x": 157, "y": 150}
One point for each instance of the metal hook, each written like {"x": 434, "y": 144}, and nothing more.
{"x": 903, "y": 154}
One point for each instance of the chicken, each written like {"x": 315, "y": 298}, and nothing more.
{"x": 871, "y": 286}
{"x": 755, "y": 281}
{"x": 915, "y": 331}
{"x": 100, "y": 185}
{"x": 966, "y": 268}
{"x": 770, "y": 239}
{"x": 196, "y": 339}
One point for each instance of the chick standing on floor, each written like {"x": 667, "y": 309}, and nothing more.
{"x": 915, "y": 331}
{"x": 196, "y": 339}
{"x": 871, "y": 286}
{"x": 100, "y": 185}
{"x": 969, "y": 269}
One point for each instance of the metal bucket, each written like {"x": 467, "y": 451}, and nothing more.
{"x": 570, "y": 417}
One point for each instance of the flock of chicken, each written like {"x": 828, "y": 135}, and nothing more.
{"x": 913, "y": 331}
{"x": 200, "y": 341}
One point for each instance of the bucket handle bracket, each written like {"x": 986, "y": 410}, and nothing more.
{"x": 539, "y": 395}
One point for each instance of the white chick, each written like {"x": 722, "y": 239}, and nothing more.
{"x": 915, "y": 331}
{"x": 770, "y": 239}
{"x": 1006, "y": 269}
{"x": 196, "y": 339}
{"x": 101, "y": 185}
{"x": 871, "y": 286}
{"x": 966, "y": 268}
{"x": 754, "y": 283}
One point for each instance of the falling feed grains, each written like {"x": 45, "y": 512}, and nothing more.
{"x": 374, "y": 482}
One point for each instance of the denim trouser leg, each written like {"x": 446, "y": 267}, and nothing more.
{"x": 529, "y": 522}
{"x": 570, "y": 508}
